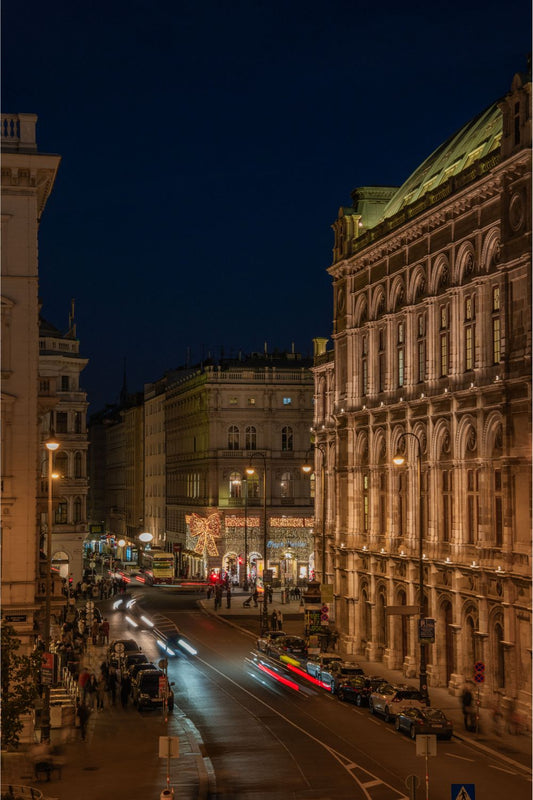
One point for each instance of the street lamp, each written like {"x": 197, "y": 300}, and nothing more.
{"x": 51, "y": 445}
{"x": 245, "y": 581}
{"x": 307, "y": 468}
{"x": 399, "y": 459}
{"x": 250, "y": 471}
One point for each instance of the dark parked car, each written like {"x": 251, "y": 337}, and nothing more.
{"x": 424, "y": 720}
{"x": 150, "y": 688}
{"x": 129, "y": 660}
{"x": 358, "y": 689}
{"x": 136, "y": 670}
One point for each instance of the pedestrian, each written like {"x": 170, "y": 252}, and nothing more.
{"x": 101, "y": 688}
{"x": 95, "y": 628}
{"x": 104, "y": 631}
{"x": 82, "y": 682}
{"x": 255, "y": 597}
{"x": 468, "y": 709}
{"x": 90, "y": 690}
{"x": 280, "y": 620}
{"x": 228, "y": 597}
{"x": 274, "y": 620}
{"x": 83, "y": 714}
{"x": 270, "y": 594}
{"x": 112, "y": 684}
{"x": 125, "y": 689}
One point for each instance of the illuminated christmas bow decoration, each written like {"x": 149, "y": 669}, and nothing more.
{"x": 207, "y": 530}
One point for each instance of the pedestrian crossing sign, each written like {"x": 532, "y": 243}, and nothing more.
{"x": 463, "y": 791}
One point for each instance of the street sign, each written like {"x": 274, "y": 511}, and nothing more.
{"x": 403, "y": 610}
{"x": 426, "y": 630}
{"x": 169, "y": 747}
{"x": 426, "y": 745}
{"x": 479, "y": 672}
{"x": 463, "y": 791}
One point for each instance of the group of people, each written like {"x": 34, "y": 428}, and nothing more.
{"x": 276, "y": 620}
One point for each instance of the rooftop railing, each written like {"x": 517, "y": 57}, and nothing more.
{"x": 17, "y": 132}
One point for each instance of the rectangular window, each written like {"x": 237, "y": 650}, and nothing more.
{"x": 498, "y": 508}
{"x": 64, "y": 383}
{"x": 446, "y": 505}
{"x": 469, "y": 348}
{"x": 251, "y": 401}
{"x": 287, "y": 401}
{"x": 443, "y": 354}
{"x": 365, "y": 503}
{"x": 421, "y": 362}
{"x": 496, "y": 341}
{"x": 364, "y": 387}
{"x": 233, "y": 401}
{"x": 472, "y": 506}
{"x": 61, "y": 422}
{"x": 400, "y": 366}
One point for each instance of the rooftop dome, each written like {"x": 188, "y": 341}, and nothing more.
{"x": 480, "y": 136}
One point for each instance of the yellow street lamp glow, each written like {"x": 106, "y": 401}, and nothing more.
{"x": 145, "y": 537}
{"x": 250, "y": 471}
{"x": 121, "y": 542}
{"x": 399, "y": 460}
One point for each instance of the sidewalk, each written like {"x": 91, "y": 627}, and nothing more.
{"x": 119, "y": 757}
{"x": 515, "y": 749}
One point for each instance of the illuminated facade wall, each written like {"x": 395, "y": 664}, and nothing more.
{"x": 27, "y": 180}
{"x": 432, "y": 336}
{"x": 154, "y": 461}
{"x": 60, "y": 366}
{"x": 216, "y": 418}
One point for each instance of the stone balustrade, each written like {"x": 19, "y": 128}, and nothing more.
{"x": 17, "y": 132}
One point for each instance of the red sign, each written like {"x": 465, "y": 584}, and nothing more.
{"x": 176, "y": 547}
{"x": 47, "y": 668}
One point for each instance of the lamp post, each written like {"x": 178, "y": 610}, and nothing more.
{"x": 250, "y": 471}
{"x": 245, "y": 581}
{"x": 307, "y": 469}
{"x": 399, "y": 459}
{"x": 51, "y": 445}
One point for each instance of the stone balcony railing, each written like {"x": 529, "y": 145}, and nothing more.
{"x": 17, "y": 132}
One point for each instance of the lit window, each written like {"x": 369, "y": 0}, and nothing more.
{"x": 233, "y": 438}
{"x": 444, "y": 341}
{"x": 469, "y": 333}
{"x": 233, "y": 401}
{"x": 496, "y": 326}
{"x": 251, "y": 438}
{"x": 251, "y": 401}
{"x": 235, "y": 485}
{"x": 286, "y": 438}
{"x": 287, "y": 401}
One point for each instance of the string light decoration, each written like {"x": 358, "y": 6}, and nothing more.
{"x": 206, "y": 530}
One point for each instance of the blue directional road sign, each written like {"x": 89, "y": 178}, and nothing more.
{"x": 463, "y": 791}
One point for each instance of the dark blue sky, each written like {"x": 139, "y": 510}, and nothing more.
{"x": 207, "y": 146}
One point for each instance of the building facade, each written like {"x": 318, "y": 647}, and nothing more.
{"x": 155, "y": 461}
{"x": 60, "y": 365}
{"x": 432, "y": 357}
{"x": 219, "y": 419}
{"x": 27, "y": 180}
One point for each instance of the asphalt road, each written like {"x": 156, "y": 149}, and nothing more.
{"x": 270, "y": 741}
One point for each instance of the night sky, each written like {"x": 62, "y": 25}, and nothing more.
{"x": 207, "y": 146}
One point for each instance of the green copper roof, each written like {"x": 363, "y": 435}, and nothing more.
{"x": 473, "y": 141}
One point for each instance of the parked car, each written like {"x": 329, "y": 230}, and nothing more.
{"x": 136, "y": 670}
{"x": 358, "y": 689}
{"x": 149, "y": 690}
{"x": 318, "y": 663}
{"x": 424, "y": 720}
{"x": 389, "y": 699}
{"x": 338, "y": 671}
{"x": 129, "y": 660}
{"x": 287, "y": 645}
{"x": 120, "y": 648}
{"x": 269, "y": 638}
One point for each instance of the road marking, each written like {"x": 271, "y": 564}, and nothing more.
{"x": 501, "y": 769}
{"x": 371, "y": 783}
{"x": 452, "y": 755}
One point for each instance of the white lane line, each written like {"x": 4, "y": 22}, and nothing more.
{"x": 452, "y": 755}
{"x": 371, "y": 783}
{"x": 501, "y": 769}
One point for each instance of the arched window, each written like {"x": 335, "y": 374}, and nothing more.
{"x": 233, "y": 438}
{"x": 286, "y": 485}
{"x": 77, "y": 509}
{"x": 286, "y": 438}
{"x": 61, "y": 464}
{"x": 78, "y": 466}
{"x": 252, "y": 486}
{"x": 235, "y": 485}
{"x": 251, "y": 438}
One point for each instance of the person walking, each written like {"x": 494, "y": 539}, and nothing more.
{"x": 82, "y": 682}
{"x": 467, "y": 701}
{"x": 228, "y": 596}
{"x": 112, "y": 684}
{"x": 83, "y": 716}
{"x": 280, "y": 620}
{"x": 255, "y": 597}
{"x": 101, "y": 688}
{"x": 104, "y": 631}
{"x": 125, "y": 689}
{"x": 90, "y": 691}
{"x": 274, "y": 620}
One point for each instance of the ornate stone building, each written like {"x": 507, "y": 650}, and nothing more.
{"x": 432, "y": 355}
{"x": 217, "y": 418}
{"x": 60, "y": 366}
{"x": 27, "y": 180}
